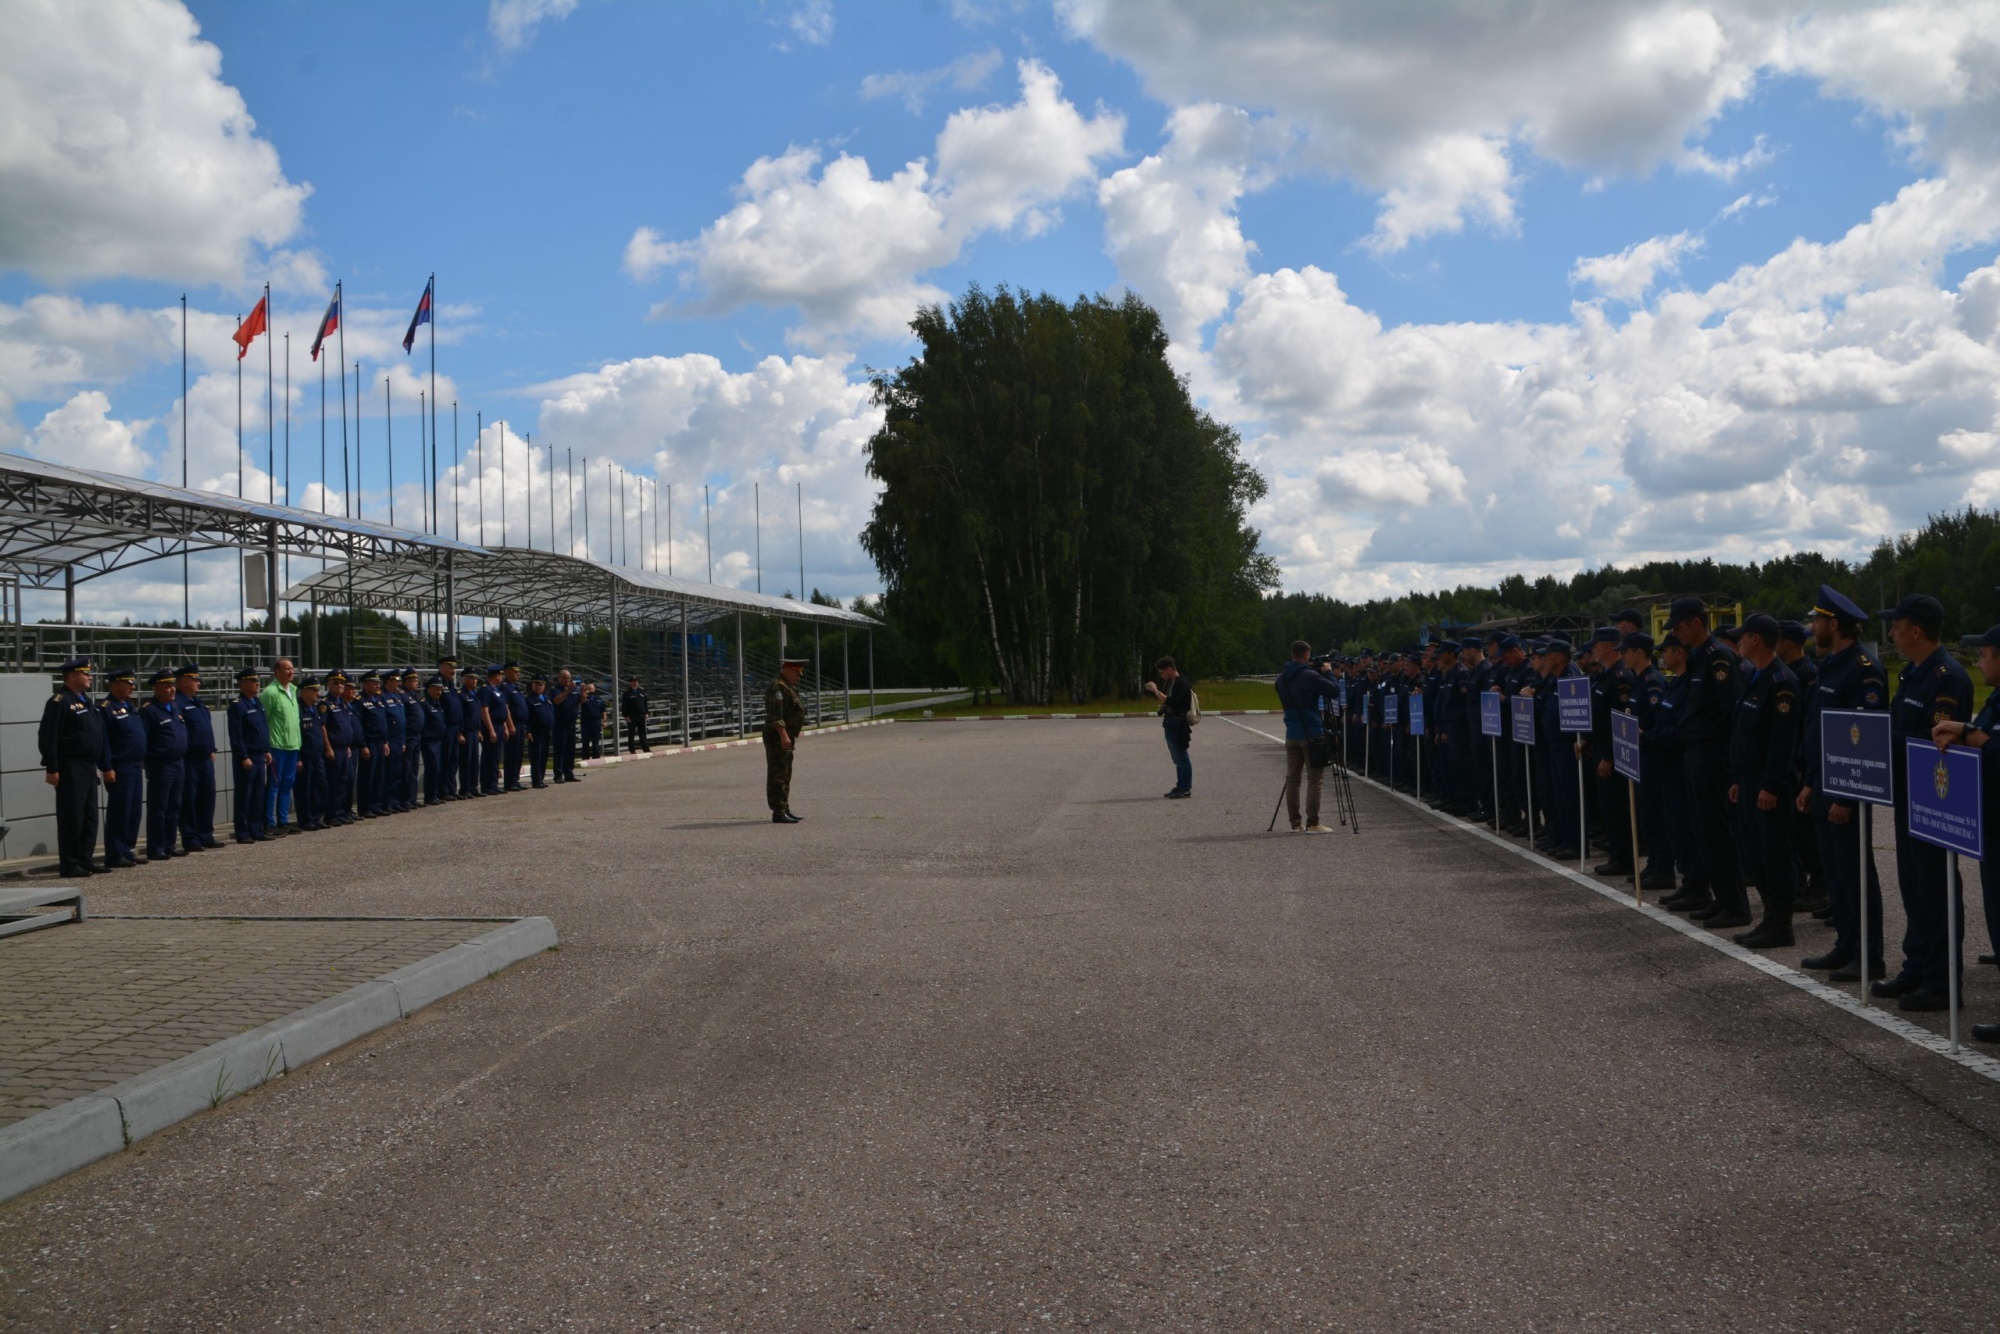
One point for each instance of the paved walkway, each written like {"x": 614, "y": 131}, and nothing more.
{"x": 85, "y": 1005}
{"x": 999, "y": 1039}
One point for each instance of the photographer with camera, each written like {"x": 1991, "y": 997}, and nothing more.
{"x": 1301, "y": 689}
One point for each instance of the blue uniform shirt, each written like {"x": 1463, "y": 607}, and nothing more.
{"x": 200, "y": 726}
{"x": 312, "y": 731}
{"x": 124, "y": 734}
{"x": 249, "y": 729}
{"x": 166, "y": 729}
{"x": 374, "y": 718}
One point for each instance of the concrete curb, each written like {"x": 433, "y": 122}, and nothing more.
{"x": 1086, "y": 717}
{"x": 670, "y": 751}
{"x": 56, "y": 1142}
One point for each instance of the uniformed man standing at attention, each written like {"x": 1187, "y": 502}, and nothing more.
{"x": 632, "y": 708}
{"x": 198, "y": 765}
{"x": 124, "y": 768}
{"x": 1763, "y": 762}
{"x": 250, "y": 749}
{"x": 166, "y": 748}
{"x": 452, "y": 705}
{"x": 1933, "y": 689}
{"x": 1706, "y": 714}
{"x": 72, "y": 743}
{"x": 315, "y": 758}
{"x": 1848, "y": 679}
{"x": 784, "y": 719}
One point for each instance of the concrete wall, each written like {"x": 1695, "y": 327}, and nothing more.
{"x": 28, "y": 803}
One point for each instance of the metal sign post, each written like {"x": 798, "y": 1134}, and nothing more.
{"x": 1417, "y": 730}
{"x": 1625, "y": 760}
{"x": 1523, "y": 708}
{"x": 1390, "y": 716}
{"x": 1856, "y": 753}
{"x": 1945, "y": 812}
{"x": 1489, "y": 727}
{"x": 1573, "y": 715}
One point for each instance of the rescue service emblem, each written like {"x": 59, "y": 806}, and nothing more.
{"x": 1784, "y": 706}
{"x": 1941, "y": 779}
{"x": 1854, "y": 734}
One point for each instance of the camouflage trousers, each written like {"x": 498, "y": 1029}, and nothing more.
{"x": 778, "y": 772}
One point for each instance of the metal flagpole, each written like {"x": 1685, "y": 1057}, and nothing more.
{"x": 359, "y": 484}
{"x": 454, "y": 466}
{"x": 270, "y": 416}
{"x": 586, "y": 507}
{"x": 503, "y": 482}
{"x": 432, "y": 289}
{"x": 708, "y": 522}
{"x": 186, "y": 613}
{"x": 288, "y": 443}
{"x": 757, "y": 513}
{"x": 802, "y": 547}
{"x": 242, "y": 616}
{"x": 340, "y": 333}
{"x": 552, "y": 497}
{"x": 569, "y": 493}
{"x": 389, "y": 434}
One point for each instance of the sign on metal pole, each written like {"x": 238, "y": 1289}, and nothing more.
{"x": 1625, "y": 745}
{"x": 1855, "y": 756}
{"x": 1573, "y": 703}
{"x": 1489, "y": 727}
{"x": 1416, "y": 715}
{"x": 1391, "y": 708}
{"x": 1944, "y": 811}
{"x": 1523, "y": 712}
{"x": 1490, "y": 715}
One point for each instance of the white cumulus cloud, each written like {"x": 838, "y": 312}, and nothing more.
{"x": 124, "y": 154}
{"x": 513, "y": 22}
{"x": 1627, "y": 275}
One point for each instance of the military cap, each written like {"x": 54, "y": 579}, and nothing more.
{"x": 794, "y": 660}
{"x": 447, "y": 661}
{"x": 1792, "y": 630}
{"x": 1446, "y": 646}
{"x": 1495, "y": 636}
{"x": 336, "y": 677}
{"x": 371, "y": 675}
{"x": 1627, "y": 616}
{"x": 1671, "y": 640}
{"x": 1761, "y": 624}
{"x": 1605, "y": 634}
{"x": 410, "y": 672}
{"x": 309, "y": 682}
{"x": 76, "y": 665}
{"x": 124, "y": 674}
{"x": 1557, "y": 644}
{"x": 1832, "y": 602}
{"x": 1991, "y": 639}
{"x": 437, "y": 681}
{"x": 249, "y": 674}
{"x": 1364, "y": 653}
{"x": 534, "y": 677}
{"x": 188, "y": 669}
{"x": 164, "y": 674}
{"x": 1541, "y": 644}
{"x": 1921, "y": 608}
{"x": 1681, "y": 608}
{"x": 1508, "y": 641}
{"x": 1639, "y": 640}
{"x": 494, "y": 669}
{"x": 1472, "y": 642}
{"x": 635, "y": 676}
{"x": 510, "y": 666}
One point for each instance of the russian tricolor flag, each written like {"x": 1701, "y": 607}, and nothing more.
{"x": 328, "y": 322}
{"x": 423, "y": 316}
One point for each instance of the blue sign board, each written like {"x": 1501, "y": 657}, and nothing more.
{"x": 1854, "y": 756}
{"x": 1573, "y": 703}
{"x": 1944, "y": 795}
{"x": 1524, "y": 719}
{"x": 1416, "y": 715}
{"x": 1390, "y": 704}
{"x": 1625, "y": 745}
{"x": 1489, "y": 714}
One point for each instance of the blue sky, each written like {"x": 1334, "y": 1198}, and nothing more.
{"x": 1481, "y": 294}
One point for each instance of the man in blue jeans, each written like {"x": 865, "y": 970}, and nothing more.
{"x": 1176, "y": 699}
{"x": 1301, "y": 690}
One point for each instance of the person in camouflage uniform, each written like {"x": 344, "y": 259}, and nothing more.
{"x": 784, "y": 719}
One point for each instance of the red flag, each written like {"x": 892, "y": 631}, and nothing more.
{"x": 247, "y": 331}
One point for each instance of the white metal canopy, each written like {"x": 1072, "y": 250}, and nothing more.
{"x": 520, "y": 583}
{"x": 65, "y": 525}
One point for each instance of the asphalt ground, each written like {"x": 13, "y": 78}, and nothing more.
{"x": 999, "y": 1039}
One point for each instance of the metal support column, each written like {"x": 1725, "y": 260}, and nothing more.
{"x": 846, "y": 679}
{"x": 271, "y": 587}
{"x": 871, "y": 674}
{"x": 819, "y": 680}
{"x": 617, "y": 681}
{"x": 450, "y": 608}
{"x": 687, "y": 689}
{"x": 69, "y": 605}
{"x": 742, "y": 713}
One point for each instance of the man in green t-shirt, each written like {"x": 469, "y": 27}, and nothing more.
{"x": 281, "y": 708}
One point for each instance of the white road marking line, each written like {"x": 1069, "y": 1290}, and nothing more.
{"x": 1931, "y": 1042}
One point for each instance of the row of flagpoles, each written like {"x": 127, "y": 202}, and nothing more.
{"x": 619, "y": 482}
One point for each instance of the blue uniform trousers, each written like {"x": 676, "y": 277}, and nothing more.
{"x": 371, "y": 775}
{"x": 436, "y": 771}
{"x": 516, "y": 745}
{"x": 198, "y": 801}
{"x": 447, "y": 768}
{"x": 489, "y": 765}
{"x": 538, "y": 758}
{"x": 468, "y": 764}
{"x": 1840, "y": 860}
{"x": 340, "y": 785}
{"x": 163, "y": 806}
{"x": 413, "y": 755}
{"x": 253, "y": 789}
{"x": 1920, "y": 874}
{"x": 310, "y": 792}
{"x": 565, "y": 752}
{"x": 123, "y": 802}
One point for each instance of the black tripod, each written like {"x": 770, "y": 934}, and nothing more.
{"x": 1343, "y": 798}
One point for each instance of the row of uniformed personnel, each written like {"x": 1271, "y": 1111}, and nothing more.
{"x": 370, "y": 745}
{"x": 1730, "y": 792}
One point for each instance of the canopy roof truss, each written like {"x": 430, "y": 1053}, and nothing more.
{"x": 56, "y": 519}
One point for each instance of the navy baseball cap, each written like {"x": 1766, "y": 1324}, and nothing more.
{"x": 1991, "y": 639}
{"x": 1557, "y": 644}
{"x": 1636, "y": 639}
{"x": 1509, "y": 641}
{"x": 1832, "y": 602}
{"x": 1627, "y": 616}
{"x": 1763, "y": 625}
{"x": 1682, "y": 608}
{"x": 1922, "y": 608}
{"x": 1472, "y": 643}
{"x": 1792, "y": 630}
{"x": 1605, "y": 634}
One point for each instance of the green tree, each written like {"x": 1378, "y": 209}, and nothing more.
{"x": 1055, "y": 510}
